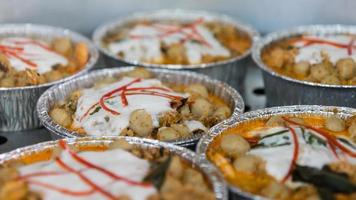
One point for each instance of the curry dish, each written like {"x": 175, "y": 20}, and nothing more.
{"x": 290, "y": 156}
{"x": 117, "y": 171}
{"x": 135, "y": 103}
{"x": 175, "y": 42}
{"x": 326, "y": 59}
{"x": 26, "y": 61}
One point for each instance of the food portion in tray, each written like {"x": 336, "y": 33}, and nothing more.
{"x": 27, "y": 61}
{"x": 177, "y": 42}
{"x": 135, "y": 103}
{"x": 291, "y": 156}
{"x": 328, "y": 59}
{"x": 100, "y": 171}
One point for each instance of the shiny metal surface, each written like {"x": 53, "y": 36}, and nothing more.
{"x": 60, "y": 92}
{"x": 231, "y": 71}
{"x": 283, "y": 90}
{"x": 213, "y": 176}
{"x": 17, "y": 105}
{"x": 203, "y": 144}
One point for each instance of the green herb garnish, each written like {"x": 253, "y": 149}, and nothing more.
{"x": 324, "y": 178}
{"x": 312, "y": 139}
{"x": 95, "y": 110}
{"x": 346, "y": 142}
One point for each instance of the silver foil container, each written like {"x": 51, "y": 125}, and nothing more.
{"x": 231, "y": 71}
{"x": 203, "y": 145}
{"x": 283, "y": 90}
{"x": 211, "y": 173}
{"x": 18, "y": 104}
{"x": 61, "y": 92}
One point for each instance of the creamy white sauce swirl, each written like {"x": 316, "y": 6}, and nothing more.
{"x": 313, "y": 53}
{"x": 148, "y": 47}
{"x": 42, "y": 58}
{"x": 104, "y": 123}
{"x": 117, "y": 161}
{"x": 278, "y": 158}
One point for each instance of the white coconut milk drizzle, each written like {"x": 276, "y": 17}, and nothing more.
{"x": 276, "y": 148}
{"x": 90, "y": 175}
{"x": 106, "y": 111}
{"x": 335, "y": 47}
{"x": 27, "y": 53}
{"x": 144, "y": 42}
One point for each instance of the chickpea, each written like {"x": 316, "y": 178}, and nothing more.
{"x": 277, "y": 58}
{"x": 185, "y": 110}
{"x": 346, "y": 68}
{"x": 193, "y": 177}
{"x": 4, "y": 63}
{"x": 319, "y": 71}
{"x": 141, "y": 122}
{"x": 61, "y": 117}
{"x": 352, "y": 130}
{"x": 81, "y": 53}
{"x": 201, "y": 107}
{"x": 276, "y": 120}
{"x": 13, "y": 190}
{"x": 198, "y": 89}
{"x": 334, "y": 123}
{"x": 302, "y": 68}
{"x": 176, "y": 168}
{"x": 139, "y": 72}
{"x": 7, "y": 82}
{"x": 167, "y": 133}
{"x": 297, "y": 120}
{"x": 176, "y": 53}
{"x": 181, "y": 129}
{"x": 62, "y": 45}
{"x": 275, "y": 190}
{"x": 331, "y": 79}
{"x": 249, "y": 163}
{"x": 222, "y": 112}
{"x": 53, "y": 75}
{"x": 234, "y": 145}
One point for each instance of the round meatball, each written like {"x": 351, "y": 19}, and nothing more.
{"x": 334, "y": 123}
{"x": 234, "y": 145}
{"x": 198, "y": 89}
{"x": 167, "y": 133}
{"x": 61, "y": 117}
{"x": 346, "y": 68}
{"x": 302, "y": 68}
{"x": 201, "y": 107}
{"x": 141, "y": 122}
{"x": 249, "y": 163}
{"x": 319, "y": 71}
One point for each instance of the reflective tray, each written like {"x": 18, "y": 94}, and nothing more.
{"x": 254, "y": 99}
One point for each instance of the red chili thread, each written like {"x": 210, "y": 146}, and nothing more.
{"x": 330, "y": 138}
{"x": 295, "y": 154}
